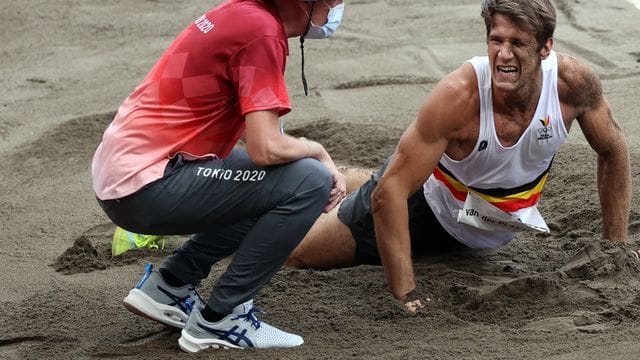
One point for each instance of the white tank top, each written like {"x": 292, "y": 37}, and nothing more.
{"x": 511, "y": 178}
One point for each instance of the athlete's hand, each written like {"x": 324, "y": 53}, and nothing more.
{"x": 626, "y": 247}
{"x": 413, "y": 302}
{"x": 413, "y": 306}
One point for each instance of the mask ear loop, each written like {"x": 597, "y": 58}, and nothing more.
{"x": 304, "y": 78}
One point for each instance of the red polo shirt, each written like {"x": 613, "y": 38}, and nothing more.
{"x": 227, "y": 63}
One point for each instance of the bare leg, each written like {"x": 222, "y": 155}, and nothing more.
{"x": 329, "y": 244}
{"x": 355, "y": 177}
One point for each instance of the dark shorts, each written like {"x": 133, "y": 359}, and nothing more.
{"x": 426, "y": 232}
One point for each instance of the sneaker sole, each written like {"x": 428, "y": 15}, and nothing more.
{"x": 192, "y": 345}
{"x": 141, "y": 304}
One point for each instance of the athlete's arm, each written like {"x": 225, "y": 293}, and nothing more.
{"x": 422, "y": 145}
{"x": 583, "y": 91}
{"x": 267, "y": 145}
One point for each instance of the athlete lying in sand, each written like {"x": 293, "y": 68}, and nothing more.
{"x": 486, "y": 135}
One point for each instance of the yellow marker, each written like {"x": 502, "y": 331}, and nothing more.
{"x": 124, "y": 241}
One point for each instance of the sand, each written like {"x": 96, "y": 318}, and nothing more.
{"x": 66, "y": 66}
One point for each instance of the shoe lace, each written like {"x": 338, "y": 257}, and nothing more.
{"x": 250, "y": 316}
{"x": 189, "y": 301}
{"x": 186, "y": 303}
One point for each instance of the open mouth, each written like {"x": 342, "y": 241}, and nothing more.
{"x": 509, "y": 70}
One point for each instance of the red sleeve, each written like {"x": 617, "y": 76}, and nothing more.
{"x": 257, "y": 72}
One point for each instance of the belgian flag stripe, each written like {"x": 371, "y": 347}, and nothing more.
{"x": 506, "y": 199}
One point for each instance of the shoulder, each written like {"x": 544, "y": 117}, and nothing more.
{"x": 462, "y": 79}
{"x": 250, "y": 18}
{"x": 578, "y": 85}
{"x": 456, "y": 93}
{"x": 452, "y": 102}
{"x": 456, "y": 87}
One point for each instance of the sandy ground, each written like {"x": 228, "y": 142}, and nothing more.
{"x": 66, "y": 66}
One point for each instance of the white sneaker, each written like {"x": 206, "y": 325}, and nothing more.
{"x": 153, "y": 298}
{"x": 240, "y": 329}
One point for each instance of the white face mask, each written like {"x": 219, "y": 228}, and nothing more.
{"x": 334, "y": 18}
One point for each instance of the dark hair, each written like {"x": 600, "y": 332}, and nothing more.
{"x": 537, "y": 17}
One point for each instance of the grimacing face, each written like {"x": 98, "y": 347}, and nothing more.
{"x": 513, "y": 54}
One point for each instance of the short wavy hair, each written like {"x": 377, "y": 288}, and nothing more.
{"x": 537, "y": 17}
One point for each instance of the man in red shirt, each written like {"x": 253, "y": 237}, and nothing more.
{"x": 167, "y": 165}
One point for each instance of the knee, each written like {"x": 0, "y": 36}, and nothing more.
{"x": 314, "y": 177}
{"x": 296, "y": 259}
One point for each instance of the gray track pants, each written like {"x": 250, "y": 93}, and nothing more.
{"x": 230, "y": 205}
